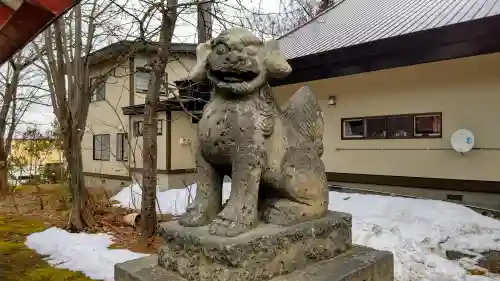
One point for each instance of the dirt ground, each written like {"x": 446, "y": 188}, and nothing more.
{"x": 21, "y": 214}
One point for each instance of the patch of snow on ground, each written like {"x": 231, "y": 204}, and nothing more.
{"x": 83, "y": 252}
{"x": 417, "y": 231}
{"x": 172, "y": 201}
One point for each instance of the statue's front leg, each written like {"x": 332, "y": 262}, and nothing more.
{"x": 240, "y": 214}
{"x": 208, "y": 199}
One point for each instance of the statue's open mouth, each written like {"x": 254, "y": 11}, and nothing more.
{"x": 234, "y": 76}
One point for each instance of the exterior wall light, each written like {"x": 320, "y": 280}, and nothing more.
{"x": 332, "y": 100}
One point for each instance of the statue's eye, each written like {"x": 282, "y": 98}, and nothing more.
{"x": 221, "y": 49}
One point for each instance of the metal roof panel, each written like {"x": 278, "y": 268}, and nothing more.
{"x": 353, "y": 22}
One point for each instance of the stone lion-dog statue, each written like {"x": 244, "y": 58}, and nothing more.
{"x": 272, "y": 154}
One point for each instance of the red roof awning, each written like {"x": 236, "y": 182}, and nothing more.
{"x": 23, "y": 20}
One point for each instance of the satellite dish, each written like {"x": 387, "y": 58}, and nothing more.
{"x": 462, "y": 140}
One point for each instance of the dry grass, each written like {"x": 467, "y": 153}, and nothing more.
{"x": 21, "y": 215}
{"x": 17, "y": 262}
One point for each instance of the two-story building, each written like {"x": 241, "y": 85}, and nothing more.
{"x": 112, "y": 144}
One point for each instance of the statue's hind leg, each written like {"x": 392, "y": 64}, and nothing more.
{"x": 305, "y": 191}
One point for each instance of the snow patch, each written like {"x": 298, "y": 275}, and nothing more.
{"x": 171, "y": 201}
{"x": 83, "y": 252}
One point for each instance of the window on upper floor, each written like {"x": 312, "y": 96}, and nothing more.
{"x": 99, "y": 93}
{"x": 142, "y": 76}
{"x": 426, "y": 125}
{"x": 122, "y": 147}
{"x": 138, "y": 127}
{"x": 141, "y": 81}
{"x": 101, "y": 147}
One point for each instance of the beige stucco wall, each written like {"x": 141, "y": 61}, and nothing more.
{"x": 466, "y": 91}
{"x": 105, "y": 117}
{"x": 182, "y": 154}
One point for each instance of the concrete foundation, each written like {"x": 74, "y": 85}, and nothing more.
{"x": 320, "y": 249}
{"x": 484, "y": 200}
{"x": 358, "y": 264}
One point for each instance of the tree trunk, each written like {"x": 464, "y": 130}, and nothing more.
{"x": 4, "y": 178}
{"x": 82, "y": 209}
{"x": 158, "y": 76}
{"x": 40, "y": 194}
{"x": 149, "y": 181}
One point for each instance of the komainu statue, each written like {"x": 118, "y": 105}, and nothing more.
{"x": 272, "y": 154}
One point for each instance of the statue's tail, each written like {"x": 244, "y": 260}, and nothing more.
{"x": 304, "y": 112}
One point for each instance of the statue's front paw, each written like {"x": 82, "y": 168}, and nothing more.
{"x": 194, "y": 217}
{"x": 227, "y": 228}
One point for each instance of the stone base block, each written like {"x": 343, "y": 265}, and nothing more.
{"x": 260, "y": 254}
{"x": 358, "y": 264}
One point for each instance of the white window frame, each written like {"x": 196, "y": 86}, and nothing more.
{"x": 345, "y": 128}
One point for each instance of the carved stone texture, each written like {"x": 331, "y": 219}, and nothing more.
{"x": 260, "y": 254}
{"x": 358, "y": 264}
{"x": 272, "y": 153}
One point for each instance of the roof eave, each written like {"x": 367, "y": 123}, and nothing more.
{"x": 459, "y": 40}
{"x": 121, "y": 48}
{"x": 16, "y": 31}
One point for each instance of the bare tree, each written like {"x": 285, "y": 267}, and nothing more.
{"x": 151, "y": 21}
{"x": 291, "y": 15}
{"x": 11, "y": 110}
{"x": 158, "y": 65}
{"x": 69, "y": 43}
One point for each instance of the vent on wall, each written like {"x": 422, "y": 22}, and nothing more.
{"x": 455, "y": 197}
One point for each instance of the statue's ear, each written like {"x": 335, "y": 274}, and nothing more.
{"x": 202, "y": 52}
{"x": 275, "y": 62}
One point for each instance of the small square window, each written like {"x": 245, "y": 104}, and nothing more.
{"x": 375, "y": 127}
{"x": 354, "y": 128}
{"x": 427, "y": 125}
{"x": 141, "y": 81}
{"x": 400, "y": 126}
{"x": 142, "y": 77}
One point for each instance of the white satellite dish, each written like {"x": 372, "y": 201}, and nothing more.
{"x": 462, "y": 140}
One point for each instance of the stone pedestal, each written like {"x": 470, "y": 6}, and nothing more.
{"x": 320, "y": 249}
